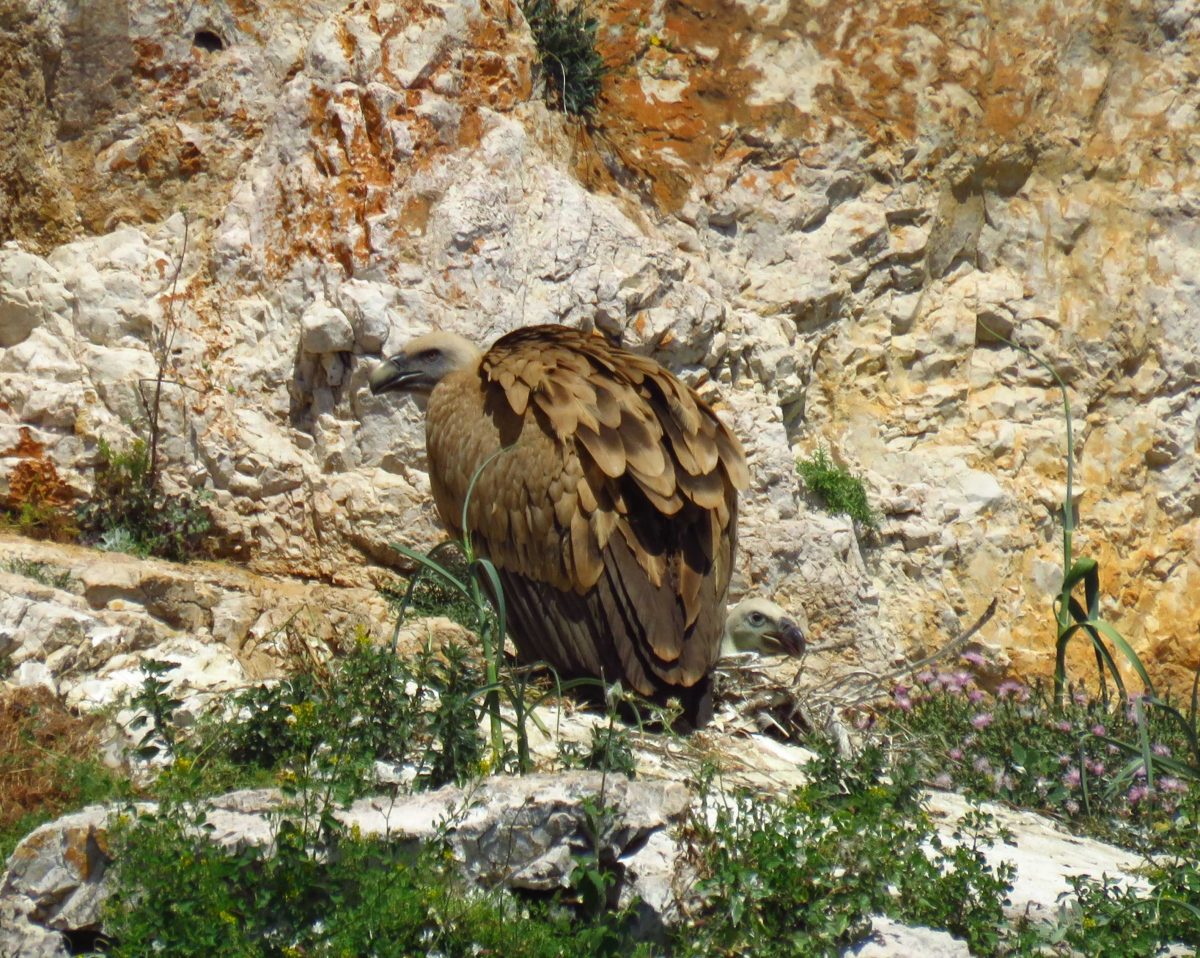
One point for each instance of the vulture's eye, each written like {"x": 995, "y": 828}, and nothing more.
{"x": 757, "y": 618}
{"x": 429, "y": 355}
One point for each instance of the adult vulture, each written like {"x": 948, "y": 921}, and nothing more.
{"x": 611, "y": 514}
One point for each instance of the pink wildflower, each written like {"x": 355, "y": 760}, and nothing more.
{"x": 1011, "y": 687}
{"x": 982, "y": 720}
{"x": 975, "y": 696}
{"x": 955, "y": 754}
{"x": 943, "y": 781}
{"x": 1099, "y": 730}
{"x": 973, "y": 658}
{"x": 1063, "y": 726}
{"x": 1072, "y": 778}
{"x": 1159, "y": 749}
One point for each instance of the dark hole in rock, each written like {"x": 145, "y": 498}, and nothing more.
{"x": 85, "y": 941}
{"x": 207, "y": 40}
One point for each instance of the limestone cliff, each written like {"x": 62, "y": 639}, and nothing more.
{"x": 817, "y": 209}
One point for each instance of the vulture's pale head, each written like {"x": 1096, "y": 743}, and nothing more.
{"x": 759, "y": 625}
{"x": 422, "y": 362}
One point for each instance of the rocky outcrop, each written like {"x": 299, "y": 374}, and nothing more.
{"x": 83, "y": 634}
{"x": 823, "y": 214}
{"x": 521, "y": 834}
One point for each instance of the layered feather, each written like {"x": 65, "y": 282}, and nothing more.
{"x": 609, "y": 506}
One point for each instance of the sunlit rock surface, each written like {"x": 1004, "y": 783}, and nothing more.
{"x": 820, "y": 213}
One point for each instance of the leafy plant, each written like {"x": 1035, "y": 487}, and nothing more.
{"x": 842, "y": 493}
{"x": 129, "y": 512}
{"x": 609, "y": 751}
{"x": 426, "y": 594}
{"x": 800, "y": 876}
{"x": 1109, "y": 919}
{"x": 177, "y": 893}
{"x": 326, "y": 728}
{"x": 158, "y": 709}
{"x": 479, "y": 585}
{"x": 566, "y": 43}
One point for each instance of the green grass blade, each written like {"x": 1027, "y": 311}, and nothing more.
{"x": 1082, "y": 623}
{"x": 470, "y": 493}
{"x": 1194, "y": 711}
{"x": 492, "y": 579}
{"x": 1144, "y": 741}
{"x": 1126, "y": 650}
{"x": 1091, "y": 591}
{"x": 1079, "y": 570}
{"x": 434, "y": 566}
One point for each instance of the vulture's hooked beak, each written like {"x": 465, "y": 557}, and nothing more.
{"x": 391, "y": 375}
{"x": 790, "y": 637}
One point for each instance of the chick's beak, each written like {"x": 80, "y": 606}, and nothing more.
{"x": 791, "y": 637}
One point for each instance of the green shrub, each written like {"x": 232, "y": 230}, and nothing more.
{"x": 566, "y": 42}
{"x": 842, "y": 493}
{"x": 178, "y": 894}
{"x": 129, "y": 512}
{"x": 801, "y": 875}
{"x": 610, "y": 750}
{"x": 329, "y": 726}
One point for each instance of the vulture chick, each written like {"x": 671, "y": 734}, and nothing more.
{"x": 610, "y": 514}
{"x": 759, "y": 625}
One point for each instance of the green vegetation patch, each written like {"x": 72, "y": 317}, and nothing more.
{"x": 842, "y": 493}
{"x": 129, "y": 512}
{"x": 40, "y": 572}
{"x": 572, "y": 67}
{"x": 335, "y": 894}
{"x": 376, "y": 707}
{"x": 801, "y": 875}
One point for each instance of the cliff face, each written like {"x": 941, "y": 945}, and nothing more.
{"x": 818, "y": 210}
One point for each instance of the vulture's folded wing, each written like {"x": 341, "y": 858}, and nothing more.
{"x": 612, "y": 511}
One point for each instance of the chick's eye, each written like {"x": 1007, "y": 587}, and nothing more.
{"x": 757, "y": 618}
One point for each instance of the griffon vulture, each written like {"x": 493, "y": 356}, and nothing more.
{"x": 759, "y": 625}
{"x": 611, "y": 514}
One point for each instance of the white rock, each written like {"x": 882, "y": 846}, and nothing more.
{"x": 326, "y": 329}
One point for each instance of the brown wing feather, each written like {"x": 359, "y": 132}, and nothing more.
{"x": 612, "y": 516}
